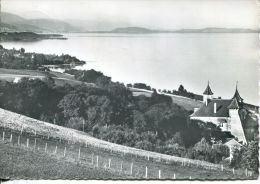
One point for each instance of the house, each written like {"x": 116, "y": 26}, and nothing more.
{"x": 222, "y": 112}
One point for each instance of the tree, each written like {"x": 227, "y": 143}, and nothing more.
{"x": 139, "y": 122}
{"x": 181, "y": 88}
{"x": 22, "y": 50}
{"x": 202, "y": 150}
{"x": 72, "y": 105}
{"x": 142, "y": 86}
{"x": 249, "y": 156}
{"x": 129, "y": 85}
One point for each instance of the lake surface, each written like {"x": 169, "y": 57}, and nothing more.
{"x": 165, "y": 61}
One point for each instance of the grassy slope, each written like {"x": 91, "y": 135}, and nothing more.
{"x": 14, "y": 122}
{"x": 18, "y": 163}
{"x": 60, "y": 78}
{"x": 186, "y": 103}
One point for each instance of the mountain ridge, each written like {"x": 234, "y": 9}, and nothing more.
{"x": 19, "y": 23}
{"x": 13, "y": 22}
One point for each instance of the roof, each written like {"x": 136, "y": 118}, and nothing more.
{"x": 232, "y": 142}
{"x": 237, "y": 96}
{"x": 208, "y": 110}
{"x": 208, "y": 90}
{"x": 234, "y": 104}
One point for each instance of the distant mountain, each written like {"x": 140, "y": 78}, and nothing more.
{"x": 34, "y": 15}
{"x": 42, "y": 25}
{"x": 141, "y": 30}
{"x": 132, "y": 30}
{"x": 36, "y": 25}
{"x": 11, "y": 18}
{"x": 217, "y": 30}
{"x": 51, "y": 25}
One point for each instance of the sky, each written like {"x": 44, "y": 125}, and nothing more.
{"x": 156, "y": 14}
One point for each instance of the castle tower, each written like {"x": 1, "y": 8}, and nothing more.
{"x": 237, "y": 96}
{"x": 236, "y": 127}
{"x": 207, "y": 95}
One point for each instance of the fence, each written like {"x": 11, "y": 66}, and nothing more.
{"x": 23, "y": 123}
{"x": 131, "y": 165}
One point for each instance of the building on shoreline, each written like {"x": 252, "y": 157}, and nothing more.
{"x": 225, "y": 113}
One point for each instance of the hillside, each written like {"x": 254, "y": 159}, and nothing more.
{"x": 27, "y": 36}
{"x": 35, "y": 25}
{"x": 142, "y": 30}
{"x": 50, "y": 25}
{"x": 59, "y": 78}
{"x": 132, "y": 30}
{"x": 43, "y": 163}
{"x": 186, "y": 103}
{"x": 11, "y": 18}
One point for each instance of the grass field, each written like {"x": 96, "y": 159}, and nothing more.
{"x": 89, "y": 148}
{"x": 19, "y": 163}
{"x": 59, "y": 78}
{"x": 186, "y": 103}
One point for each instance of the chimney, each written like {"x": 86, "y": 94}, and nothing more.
{"x": 215, "y": 108}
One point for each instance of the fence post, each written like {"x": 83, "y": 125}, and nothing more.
{"x": 148, "y": 156}
{"x": 246, "y": 172}
{"x": 97, "y": 161}
{"x": 131, "y": 168}
{"x": 18, "y": 141}
{"x": 64, "y": 152}
{"x": 92, "y": 159}
{"x": 79, "y": 154}
{"x": 174, "y": 176}
{"x": 11, "y": 138}
{"x": 22, "y": 130}
{"x": 233, "y": 171}
{"x": 190, "y": 177}
{"x": 146, "y": 172}
{"x": 121, "y": 167}
{"x": 3, "y": 135}
{"x": 159, "y": 174}
{"x": 35, "y": 143}
{"x": 55, "y": 151}
{"x": 45, "y": 149}
{"x": 27, "y": 143}
{"x": 222, "y": 167}
{"x": 109, "y": 163}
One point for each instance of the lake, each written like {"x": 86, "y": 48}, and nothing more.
{"x": 165, "y": 61}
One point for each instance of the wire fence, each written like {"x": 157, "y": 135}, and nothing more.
{"x": 123, "y": 162}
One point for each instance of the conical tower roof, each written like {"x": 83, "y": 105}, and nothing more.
{"x": 208, "y": 90}
{"x": 237, "y": 96}
{"x": 234, "y": 104}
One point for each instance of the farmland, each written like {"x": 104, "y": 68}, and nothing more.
{"x": 59, "y": 78}
{"x": 28, "y": 156}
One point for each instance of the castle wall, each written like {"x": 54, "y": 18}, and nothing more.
{"x": 236, "y": 125}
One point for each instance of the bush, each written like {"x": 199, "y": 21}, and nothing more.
{"x": 142, "y": 86}
{"x": 246, "y": 157}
